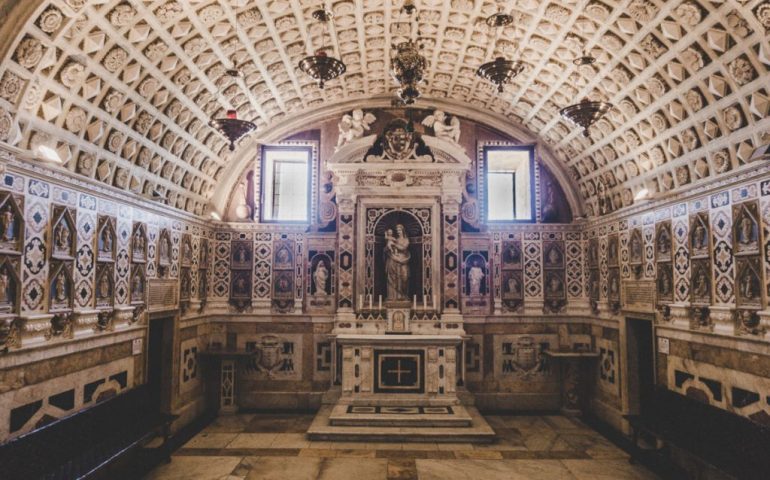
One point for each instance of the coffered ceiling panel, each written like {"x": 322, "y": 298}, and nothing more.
{"x": 124, "y": 89}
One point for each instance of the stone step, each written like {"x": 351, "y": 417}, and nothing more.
{"x": 478, "y": 431}
{"x": 420, "y": 417}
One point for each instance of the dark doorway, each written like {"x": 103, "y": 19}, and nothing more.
{"x": 641, "y": 363}
{"x": 159, "y": 361}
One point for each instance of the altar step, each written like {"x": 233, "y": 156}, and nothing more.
{"x": 401, "y": 416}
{"x": 388, "y": 427}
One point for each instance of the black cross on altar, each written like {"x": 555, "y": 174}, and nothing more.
{"x": 398, "y": 372}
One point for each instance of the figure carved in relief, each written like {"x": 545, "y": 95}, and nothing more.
{"x": 476, "y": 276}
{"x": 664, "y": 285}
{"x": 138, "y": 242}
{"x": 746, "y": 235}
{"x": 241, "y": 255}
{"x": 397, "y": 258}
{"x": 240, "y": 286}
{"x": 320, "y": 276}
{"x": 513, "y": 286}
{"x": 61, "y": 287}
{"x": 636, "y": 247}
{"x": 353, "y": 126}
{"x": 62, "y": 238}
{"x": 555, "y": 285}
{"x": 747, "y": 286}
{"x": 699, "y": 237}
{"x": 664, "y": 242}
{"x": 554, "y": 257}
{"x": 5, "y": 289}
{"x": 8, "y": 223}
{"x": 164, "y": 251}
{"x": 512, "y": 254}
{"x": 444, "y": 127}
{"x": 104, "y": 287}
{"x": 700, "y": 285}
{"x": 106, "y": 241}
{"x": 137, "y": 289}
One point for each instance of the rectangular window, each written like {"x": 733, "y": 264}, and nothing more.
{"x": 509, "y": 190}
{"x": 286, "y": 184}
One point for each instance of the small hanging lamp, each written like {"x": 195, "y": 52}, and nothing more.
{"x": 321, "y": 67}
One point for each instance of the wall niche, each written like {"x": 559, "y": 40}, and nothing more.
{"x": 747, "y": 239}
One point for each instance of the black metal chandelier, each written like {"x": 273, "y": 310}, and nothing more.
{"x": 500, "y": 71}
{"x": 321, "y": 67}
{"x": 408, "y": 64}
{"x": 230, "y": 127}
{"x": 585, "y": 113}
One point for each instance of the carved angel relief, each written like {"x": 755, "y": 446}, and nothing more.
{"x": 353, "y": 125}
{"x": 445, "y": 127}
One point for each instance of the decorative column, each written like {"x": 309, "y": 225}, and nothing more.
{"x": 451, "y": 258}
{"x": 680, "y": 230}
{"x": 533, "y": 273}
{"x": 346, "y": 258}
{"x": 723, "y": 264}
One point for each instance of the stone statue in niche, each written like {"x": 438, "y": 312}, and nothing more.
{"x": 554, "y": 287}
{"x": 6, "y": 295}
{"x": 748, "y": 283}
{"x": 60, "y": 288}
{"x": 241, "y": 255}
{"x": 663, "y": 243}
{"x": 700, "y": 283}
{"x": 746, "y": 231}
{"x": 320, "y": 277}
{"x": 62, "y": 239}
{"x": 353, "y": 125}
{"x": 476, "y": 278}
{"x": 137, "y": 288}
{"x": 612, "y": 251}
{"x": 104, "y": 291}
{"x": 553, "y": 257}
{"x": 512, "y": 287}
{"x": 664, "y": 283}
{"x": 399, "y": 143}
{"x": 164, "y": 251}
{"x": 748, "y": 286}
{"x": 397, "y": 258}
{"x": 8, "y": 224}
{"x": 511, "y": 255}
{"x": 283, "y": 258}
{"x": 138, "y": 244}
{"x": 106, "y": 240}
{"x": 184, "y": 287}
{"x": 445, "y": 127}
{"x": 635, "y": 247}
{"x": 699, "y": 238}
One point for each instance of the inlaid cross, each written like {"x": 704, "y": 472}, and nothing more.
{"x": 398, "y": 372}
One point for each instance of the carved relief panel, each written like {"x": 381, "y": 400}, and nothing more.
{"x": 106, "y": 244}
{"x": 164, "y": 253}
{"x": 554, "y": 290}
{"x": 63, "y": 233}
{"x": 749, "y": 282}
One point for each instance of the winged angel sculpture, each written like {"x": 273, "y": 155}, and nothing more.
{"x": 353, "y": 125}
{"x": 444, "y": 127}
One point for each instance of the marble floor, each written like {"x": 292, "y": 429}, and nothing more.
{"x": 273, "y": 446}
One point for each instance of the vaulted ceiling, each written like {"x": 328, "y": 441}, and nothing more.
{"x": 125, "y": 88}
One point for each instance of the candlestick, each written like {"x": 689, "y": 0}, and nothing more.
{"x": 379, "y": 306}
{"x": 370, "y": 300}
{"x": 415, "y": 302}
{"x": 360, "y": 301}
{"x": 424, "y": 301}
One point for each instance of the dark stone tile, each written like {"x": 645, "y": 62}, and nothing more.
{"x": 261, "y": 452}
{"x": 199, "y": 452}
{"x": 439, "y": 454}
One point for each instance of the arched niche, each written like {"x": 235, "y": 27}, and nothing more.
{"x": 11, "y": 223}
{"x": 60, "y": 287}
{"x": 106, "y": 239}
{"x": 63, "y": 233}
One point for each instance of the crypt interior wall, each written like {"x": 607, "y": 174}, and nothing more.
{"x": 267, "y": 296}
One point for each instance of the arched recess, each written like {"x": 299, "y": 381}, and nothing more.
{"x": 246, "y": 153}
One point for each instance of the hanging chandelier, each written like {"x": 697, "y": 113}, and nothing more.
{"x": 321, "y": 67}
{"x": 231, "y": 127}
{"x": 585, "y": 113}
{"x": 500, "y": 71}
{"x": 407, "y": 64}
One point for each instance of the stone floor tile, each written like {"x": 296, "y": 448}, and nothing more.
{"x": 419, "y": 446}
{"x": 290, "y": 440}
{"x": 478, "y": 454}
{"x": 210, "y": 440}
{"x": 402, "y": 470}
{"x": 607, "y": 470}
{"x": 252, "y": 440}
{"x": 229, "y": 424}
{"x": 318, "y": 452}
{"x": 355, "y": 453}
{"x": 352, "y": 468}
{"x": 199, "y": 468}
{"x": 283, "y": 468}
{"x": 455, "y": 446}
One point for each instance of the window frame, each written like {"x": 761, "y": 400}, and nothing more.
{"x": 484, "y": 150}
{"x": 311, "y": 150}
